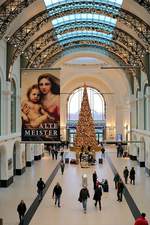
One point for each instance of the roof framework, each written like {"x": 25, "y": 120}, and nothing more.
{"x": 41, "y": 49}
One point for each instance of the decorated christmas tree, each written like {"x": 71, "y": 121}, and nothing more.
{"x": 85, "y": 134}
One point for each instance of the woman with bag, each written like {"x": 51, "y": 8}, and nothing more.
{"x": 83, "y": 196}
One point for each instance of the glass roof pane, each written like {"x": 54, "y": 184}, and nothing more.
{"x": 51, "y": 3}
{"x": 79, "y": 38}
{"x": 84, "y": 33}
{"x": 85, "y": 17}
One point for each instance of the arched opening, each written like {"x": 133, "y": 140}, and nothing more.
{"x": 98, "y": 110}
{"x": 13, "y": 106}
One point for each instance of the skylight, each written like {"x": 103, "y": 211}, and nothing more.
{"x": 84, "y": 33}
{"x": 85, "y": 17}
{"x": 51, "y": 3}
{"x": 70, "y": 38}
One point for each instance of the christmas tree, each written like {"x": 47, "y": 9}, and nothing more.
{"x": 85, "y": 134}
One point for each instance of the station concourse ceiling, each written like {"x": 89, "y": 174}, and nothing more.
{"x": 42, "y": 31}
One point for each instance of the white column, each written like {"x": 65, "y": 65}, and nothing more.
{"x": 29, "y": 154}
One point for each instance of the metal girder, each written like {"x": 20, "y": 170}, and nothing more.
{"x": 118, "y": 35}
{"x": 100, "y": 49}
{"x": 84, "y": 47}
{"x": 119, "y": 50}
{"x": 144, "y": 3}
{"x": 9, "y": 11}
{"x": 22, "y": 35}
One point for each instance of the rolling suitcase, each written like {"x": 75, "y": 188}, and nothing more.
{"x": 66, "y": 160}
{"x": 100, "y": 161}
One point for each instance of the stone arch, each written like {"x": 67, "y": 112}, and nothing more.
{"x": 3, "y": 164}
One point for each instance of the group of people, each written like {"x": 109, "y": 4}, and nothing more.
{"x": 83, "y": 195}
{"x": 119, "y": 184}
{"x": 130, "y": 175}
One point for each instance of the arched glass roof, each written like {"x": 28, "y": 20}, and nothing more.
{"x": 87, "y": 38}
{"x": 84, "y": 33}
{"x": 85, "y": 17}
{"x": 51, "y": 3}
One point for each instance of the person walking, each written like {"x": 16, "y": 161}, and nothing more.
{"x": 132, "y": 176}
{"x": 103, "y": 152}
{"x": 56, "y": 153}
{"x": 52, "y": 152}
{"x": 126, "y": 174}
{"x": 57, "y": 191}
{"x": 62, "y": 153}
{"x": 83, "y": 196}
{"x": 40, "y": 188}
{"x": 98, "y": 195}
{"x": 118, "y": 151}
{"x": 62, "y": 166}
{"x": 94, "y": 179}
{"x": 116, "y": 179}
{"x": 141, "y": 220}
{"x": 21, "y": 209}
{"x": 120, "y": 188}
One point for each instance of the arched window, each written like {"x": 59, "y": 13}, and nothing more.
{"x": 96, "y": 102}
{"x": 97, "y": 106}
{"x": 13, "y": 106}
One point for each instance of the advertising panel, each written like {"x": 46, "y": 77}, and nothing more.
{"x": 40, "y": 105}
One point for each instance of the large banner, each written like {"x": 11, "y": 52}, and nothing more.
{"x": 40, "y": 105}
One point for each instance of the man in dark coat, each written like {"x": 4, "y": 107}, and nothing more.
{"x": 57, "y": 191}
{"x": 132, "y": 176}
{"x": 116, "y": 179}
{"x": 97, "y": 196}
{"x": 40, "y": 188}
{"x": 94, "y": 179}
{"x": 62, "y": 166}
{"x": 120, "y": 189}
{"x": 21, "y": 209}
{"x": 126, "y": 174}
{"x": 83, "y": 196}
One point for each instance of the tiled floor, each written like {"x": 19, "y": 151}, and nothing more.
{"x": 113, "y": 212}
